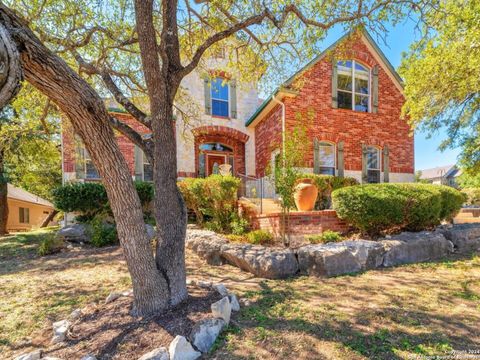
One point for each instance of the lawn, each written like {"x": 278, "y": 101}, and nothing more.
{"x": 422, "y": 309}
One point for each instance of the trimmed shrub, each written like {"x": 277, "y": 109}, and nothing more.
{"x": 103, "y": 233}
{"x": 214, "y": 201}
{"x": 325, "y": 237}
{"x": 376, "y": 208}
{"x": 259, "y": 237}
{"x": 325, "y": 185}
{"x": 473, "y": 196}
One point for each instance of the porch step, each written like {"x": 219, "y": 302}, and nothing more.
{"x": 466, "y": 220}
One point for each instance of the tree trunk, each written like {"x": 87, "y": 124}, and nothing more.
{"x": 3, "y": 195}
{"x": 89, "y": 117}
{"x": 170, "y": 210}
{"x": 49, "y": 218}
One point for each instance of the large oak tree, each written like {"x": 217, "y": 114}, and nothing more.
{"x": 147, "y": 48}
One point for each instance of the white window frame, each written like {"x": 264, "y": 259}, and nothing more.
{"x": 330, "y": 143}
{"x": 379, "y": 169}
{"x": 217, "y": 99}
{"x": 88, "y": 159}
{"x": 369, "y": 81}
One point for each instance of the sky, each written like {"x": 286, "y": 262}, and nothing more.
{"x": 398, "y": 40}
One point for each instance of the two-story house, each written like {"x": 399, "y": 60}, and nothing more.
{"x": 356, "y": 129}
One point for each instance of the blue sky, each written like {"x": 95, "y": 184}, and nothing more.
{"x": 397, "y": 41}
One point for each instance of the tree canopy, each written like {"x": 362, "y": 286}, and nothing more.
{"x": 441, "y": 73}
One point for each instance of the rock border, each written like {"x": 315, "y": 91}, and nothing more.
{"x": 333, "y": 259}
{"x": 200, "y": 340}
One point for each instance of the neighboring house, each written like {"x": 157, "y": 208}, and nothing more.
{"x": 357, "y": 129}
{"x": 25, "y": 210}
{"x": 444, "y": 175}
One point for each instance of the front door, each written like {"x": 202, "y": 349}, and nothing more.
{"x": 213, "y": 159}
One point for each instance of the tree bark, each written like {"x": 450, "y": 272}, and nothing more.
{"x": 90, "y": 119}
{"x": 3, "y": 195}
{"x": 49, "y": 218}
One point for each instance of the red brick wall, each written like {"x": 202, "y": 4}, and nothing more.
{"x": 301, "y": 223}
{"x": 354, "y": 128}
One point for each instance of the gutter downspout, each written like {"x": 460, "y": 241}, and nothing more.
{"x": 274, "y": 99}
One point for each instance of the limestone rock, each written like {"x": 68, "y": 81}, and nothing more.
{"x": 78, "y": 233}
{"x": 465, "y": 237}
{"x": 408, "y": 247}
{"x": 114, "y": 295}
{"x": 150, "y": 231}
{"x": 270, "y": 263}
{"x": 234, "y": 302}
{"x": 206, "y": 244}
{"x": 60, "y": 329}
{"x": 222, "y": 309}
{"x": 34, "y": 355}
{"x": 88, "y": 357}
{"x": 156, "y": 354}
{"x": 75, "y": 314}
{"x": 205, "y": 332}
{"x": 221, "y": 289}
{"x": 181, "y": 349}
{"x": 340, "y": 258}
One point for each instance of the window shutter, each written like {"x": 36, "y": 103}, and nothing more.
{"x": 79, "y": 160}
{"x": 386, "y": 164}
{"x": 340, "y": 161}
{"x": 316, "y": 157}
{"x": 364, "y": 164}
{"x": 334, "y": 84}
{"x": 138, "y": 158}
{"x": 233, "y": 99}
{"x": 208, "y": 95}
{"x": 375, "y": 89}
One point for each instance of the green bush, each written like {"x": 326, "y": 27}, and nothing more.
{"x": 50, "y": 244}
{"x": 259, "y": 237}
{"x": 89, "y": 199}
{"x": 472, "y": 195}
{"x": 375, "y": 208}
{"x": 102, "y": 232}
{"x": 325, "y": 185}
{"x": 213, "y": 200}
{"x": 325, "y": 237}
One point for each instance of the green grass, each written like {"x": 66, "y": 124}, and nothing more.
{"x": 23, "y": 244}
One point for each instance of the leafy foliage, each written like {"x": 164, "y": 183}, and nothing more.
{"x": 325, "y": 237}
{"x": 214, "y": 201}
{"x": 50, "y": 244}
{"x": 375, "y": 208}
{"x": 103, "y": 233}
{"x": 259, "y": 237}
{"x": 467, "y": 180}
{"x": 473, "y": 196}
{"x": 451, "y": 100}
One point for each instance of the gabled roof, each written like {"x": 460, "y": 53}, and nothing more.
{"x": 440, "y": 171}
{"x": 381, "y": 58}
{"x": 19, "y": 194}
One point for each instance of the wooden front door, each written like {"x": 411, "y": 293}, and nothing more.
{"x": 213, "y": 159}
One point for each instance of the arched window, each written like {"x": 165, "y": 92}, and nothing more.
{"x": 353, "y": 86}
{"x": 326, "y": 157}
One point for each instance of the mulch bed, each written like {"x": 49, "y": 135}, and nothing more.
{"x": 108, "y": 331}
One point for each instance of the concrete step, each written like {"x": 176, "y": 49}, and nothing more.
{"x": 466, "y": 220}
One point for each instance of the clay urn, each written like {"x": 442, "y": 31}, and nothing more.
{"x": 305, "y": 194}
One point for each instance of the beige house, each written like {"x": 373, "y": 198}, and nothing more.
{"x": 26, "y": 211}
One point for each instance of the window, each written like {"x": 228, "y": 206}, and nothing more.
{"x": 90, "y": 170}
{"x": 353, "y": 86}
{"x": 326, "y": 156}
{"x": 24, "y": 215}
{"x": 212, "y": 155}
{"x": 143, "y": 168}
{"x": 220, "y": 97}
{"x": 373, "y": 164}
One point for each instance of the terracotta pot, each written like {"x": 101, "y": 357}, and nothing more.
{"x": 305, "y": 195}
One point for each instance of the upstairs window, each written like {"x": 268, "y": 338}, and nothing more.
{"x": 326, "y": 156}
{"x": 353, "y": 86}
{"x": 220, "y": 97}
{"x": 373, "y": 164}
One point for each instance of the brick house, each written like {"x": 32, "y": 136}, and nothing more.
{"x": 356, "y": 130}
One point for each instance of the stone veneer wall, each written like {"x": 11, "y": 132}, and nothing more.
{"x": 300, "y": 223}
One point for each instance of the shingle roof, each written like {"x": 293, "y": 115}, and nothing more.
{"x": 23, "y": 195}
{"x": 439, "y": 171}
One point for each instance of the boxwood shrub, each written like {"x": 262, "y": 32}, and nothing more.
{"x": 376, "y": 208}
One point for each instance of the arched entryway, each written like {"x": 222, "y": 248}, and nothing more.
{"x": 217, "y": 145}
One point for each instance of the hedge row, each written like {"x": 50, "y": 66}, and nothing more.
{"x": 376, "y": 208}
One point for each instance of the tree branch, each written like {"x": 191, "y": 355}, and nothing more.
{"x": 133, "y": 136}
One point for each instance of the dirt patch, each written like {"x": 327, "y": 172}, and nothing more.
{"x": 108, "y": 331}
